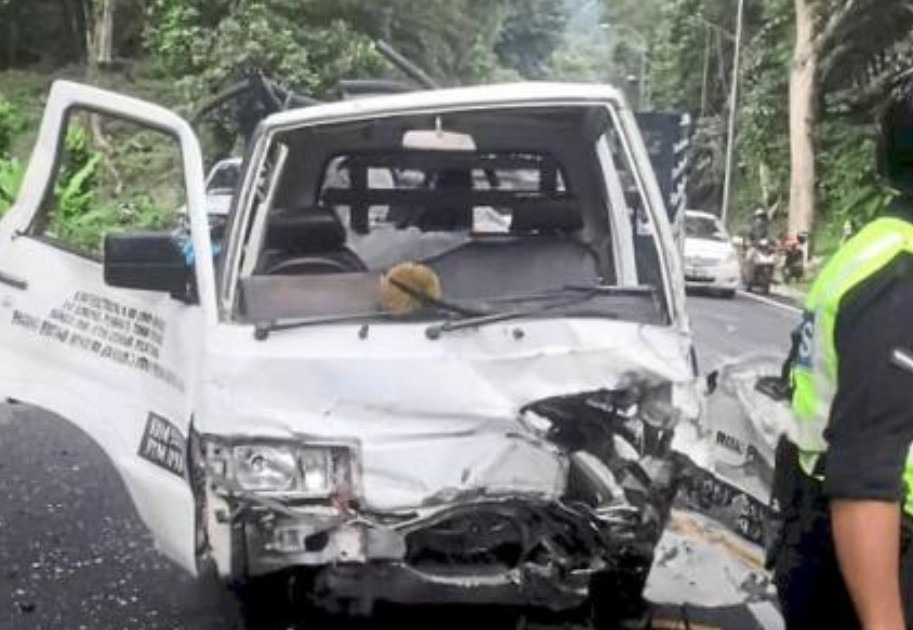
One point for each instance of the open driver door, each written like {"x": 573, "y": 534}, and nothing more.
{"x": 121, "y": 364}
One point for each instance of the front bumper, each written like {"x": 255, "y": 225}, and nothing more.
{"x": 510, "y": 552}
{"x": 606, "y": 479}
{"x": 401, "y": 584}
{"x": 723, "y": 277}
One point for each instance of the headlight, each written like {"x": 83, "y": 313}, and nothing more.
{"x": 287, "y": 469}
{"x": 316, "y": 470}
{"x": 265, "y": 468}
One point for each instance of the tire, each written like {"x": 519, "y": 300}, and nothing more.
{"x": 617, "y": 603}
{"x": 212, "y": 597}
{"x": 728, "y": 294}
{"x": 263, "y": 603}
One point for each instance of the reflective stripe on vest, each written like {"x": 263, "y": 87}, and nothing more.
{"x": 815, "y": 372}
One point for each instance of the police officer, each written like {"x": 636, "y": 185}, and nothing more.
{"x": 846, "y": 487}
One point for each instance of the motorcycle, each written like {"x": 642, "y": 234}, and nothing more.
{"x": 758, "y": 267}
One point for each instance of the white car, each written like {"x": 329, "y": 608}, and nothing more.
{"x": 711, "y": 260}
{"x": 365, "y": 398}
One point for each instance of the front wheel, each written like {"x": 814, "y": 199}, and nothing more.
{"x": 617, "y": 603}
{"x": 263, "y": 603}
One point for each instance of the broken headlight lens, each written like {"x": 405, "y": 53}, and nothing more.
{"x": 265, "y": 468}
{"x": 316, "y": 470}
{"x": 287, "y": 469}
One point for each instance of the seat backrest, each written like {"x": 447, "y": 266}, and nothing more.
{"x": 501, "y": 265}
{"x": 547, "y": 217}
{"x": 312, "y": 230}
{"x": 448, "y": 216}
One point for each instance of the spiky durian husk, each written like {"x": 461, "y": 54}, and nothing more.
{"x": 421, "y": 279}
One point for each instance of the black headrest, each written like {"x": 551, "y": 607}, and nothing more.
{"x": 558, "y": 216}
{"x": 447, "y": 216}
{"x": 305, "y": 231}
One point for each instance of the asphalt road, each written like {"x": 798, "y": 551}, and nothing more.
{"x": 726, "y": 330}
{"x": 73, "y": 554}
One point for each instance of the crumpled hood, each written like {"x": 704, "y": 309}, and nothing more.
{"x": 433, "y": 419}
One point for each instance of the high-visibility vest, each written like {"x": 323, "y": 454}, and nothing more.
{"x": 815, "y": 370}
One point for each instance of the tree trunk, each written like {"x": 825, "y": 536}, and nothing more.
{"x": 802, "y": 120}
{"x": 99, "y": 48}
{"x": 99, "y": 33}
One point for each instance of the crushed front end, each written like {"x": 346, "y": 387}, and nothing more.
{"x": 577, "y": 488}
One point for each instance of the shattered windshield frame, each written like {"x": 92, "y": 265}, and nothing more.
{"x": 490, "y": 189}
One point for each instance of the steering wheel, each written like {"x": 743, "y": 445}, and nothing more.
{"x": 309, "y": 265}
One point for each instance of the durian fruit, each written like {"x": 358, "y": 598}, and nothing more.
{"x": 421, "y": 280}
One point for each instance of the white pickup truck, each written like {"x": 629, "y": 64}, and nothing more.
{"x": 439, "y": 355}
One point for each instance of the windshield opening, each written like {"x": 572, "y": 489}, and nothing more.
{"x": 705, "y": 228}
{"x": 513, "y": 217}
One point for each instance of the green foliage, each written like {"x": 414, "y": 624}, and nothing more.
{"x": 11, "y": 169}
{"x": 77, "y": 182}
{"x": 78, "y": 153}
{"x": 211, "y": 41}
{"x": 848, "y": 189}
{"x": 532, "y": 31}
{"x": 85, "y": 223}
{"x": 641, "y": 15}
{"x": 849, "y": 186}
{"x": 452, "y": 40}
{"x": 763, "y": 139}
{"x": 76, "y": 189}
{"x": 10, "y": 125}
{"x": 455, "y": 41}
{"x": 195, "y": 47}
{"x": 88, "y": 203}
{"x": 678, "y": 60}
{"x": 11, "y": 174}
{"x": 74, "y": 194}
{"x": 585, "y": 59}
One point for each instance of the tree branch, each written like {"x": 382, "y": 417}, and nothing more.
{"x": 834, "y": 24}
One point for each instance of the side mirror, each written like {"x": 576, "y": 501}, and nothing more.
{"x": 147, "y": 261}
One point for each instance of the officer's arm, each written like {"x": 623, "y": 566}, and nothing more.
{"x": 867, "y": 537}
{"x": 869, "y": 435}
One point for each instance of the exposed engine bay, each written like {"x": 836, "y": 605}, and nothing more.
{"x": 619, "y": 480}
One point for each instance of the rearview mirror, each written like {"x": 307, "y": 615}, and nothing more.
{"x": 147, "y": 261}
{"x": 438, "y": 140}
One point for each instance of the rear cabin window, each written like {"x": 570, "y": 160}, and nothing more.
{"x": 417, "y": 197}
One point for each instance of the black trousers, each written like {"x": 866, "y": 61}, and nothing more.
{"x": 811, "y": 588}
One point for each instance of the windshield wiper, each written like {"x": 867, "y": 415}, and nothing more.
{"x": 435, "y": 302}
{"x": 579, "y": 294}
{"x": 262, "y": 331}
{"x": 470, "y": 317}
